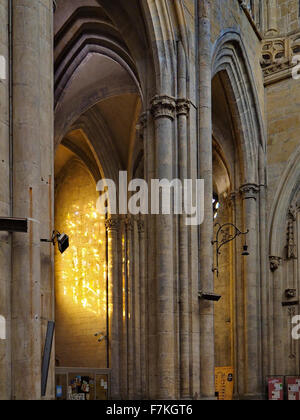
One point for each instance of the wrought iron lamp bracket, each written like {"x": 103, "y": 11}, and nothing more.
{"x": 223, "y": 237}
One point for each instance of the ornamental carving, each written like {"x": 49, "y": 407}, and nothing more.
{"x": 274, "y": 263}
{"x": 277, "y": 57}
{"x": 163, "y": 107}
{"x": 274, "y": 51}
{"x": 291, "y": 242}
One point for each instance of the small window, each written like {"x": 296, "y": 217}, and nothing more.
{"x": 216, "y": 205}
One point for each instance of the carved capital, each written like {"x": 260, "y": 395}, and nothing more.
{"x": 142, "y": 122}
{"x": 183, "y": 107}
{"x": 231, "y": 198}
{"x": 163, "y": 107}
{"x": 249, "y": 191}
{"x": 141, "y": 226}
{"x": 275, "y": 262}
{"x": 112, "y": 224}
{"x": 129, "y": 224}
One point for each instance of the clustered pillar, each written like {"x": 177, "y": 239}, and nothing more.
{"x": 5, "y": 210}
{"x": 163, "y": 110}
{"x": 272, "y": 27}
{"x": 252, "y": 286}
{"x": 206, "y": 230}
{"x": 114, "y": 297}
{"x": 182, "y": 108}
{"x": 32, "y": 99}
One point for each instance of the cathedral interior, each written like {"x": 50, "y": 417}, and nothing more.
{"x": 145, "y": 307}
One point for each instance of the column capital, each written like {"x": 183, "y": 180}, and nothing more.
{"x": 129, "y": 223}
{"x": 142, "y": 122}
{"x": 112, "y": 224}
{"x": 232, "y": 196}
{"x": 141, "y": 226}
{"x": 275, "y": 262}
{"x": 163, "y": 106}
{"x": 183, "y": 106}
{"x": 142, "y": 125}
{"x": 249, "y": 191}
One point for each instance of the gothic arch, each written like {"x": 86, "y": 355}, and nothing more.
{"x": 230, "y": 57}
{"x": 287, "y": 191}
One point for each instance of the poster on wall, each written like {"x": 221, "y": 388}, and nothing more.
{"x": 293, "y": 388}
{"x": 275, "y": 388}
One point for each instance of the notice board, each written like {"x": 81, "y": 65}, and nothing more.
{"x": 275, "y": 388}
{"x": 293, "y": 388}
{"x": 224, "y": 383}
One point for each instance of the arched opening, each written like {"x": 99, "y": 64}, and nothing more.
{"x": 238, "y": 129}
{"x": 284, "y": 240}
{"x": 81, "y": 282}
{"x": 228, "y": 175}
{"x": 98, "y": 101}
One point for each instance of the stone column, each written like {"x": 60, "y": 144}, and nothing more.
{"x": 114, "y": 296}
{"x": 163, "y": 110}
{"x": 137, "y": 311}
{"x": 207, "y": 355}
{"x": 278, "y": 315}
{"x": 32, "y": 112}
{"x": 124, "y": 312}
{"x": 150, "y": 234}
{"x": 182, "y": 108}
{"x": 266, "y": 339}
{"x": 130, "y": 298}
{"x": 272, "y": 27}
{"x": 239, "y": 319}
{"x": 252, "y": 290}
{"x": 47, "y": 196}
{"x": 143, "y": 308}
{"x": 5, "y": 208}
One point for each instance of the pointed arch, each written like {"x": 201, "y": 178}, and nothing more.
{"x": 230, "y": 57}
{"x": 287, "y": 191}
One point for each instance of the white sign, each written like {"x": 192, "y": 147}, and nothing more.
{"x": 2, "y": 68}
{"x": 2, "y": 328}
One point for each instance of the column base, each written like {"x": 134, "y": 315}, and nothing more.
{"x": 250, "y": 397}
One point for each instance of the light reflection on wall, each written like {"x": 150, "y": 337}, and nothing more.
{"x": 81, "y": 272}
